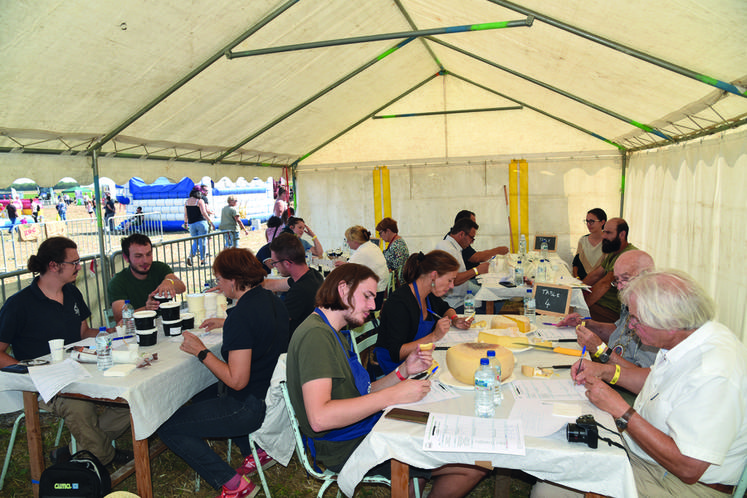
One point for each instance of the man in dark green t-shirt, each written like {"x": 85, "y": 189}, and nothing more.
{"x": 142, "y": 279}
{"x": 604, "y": 305}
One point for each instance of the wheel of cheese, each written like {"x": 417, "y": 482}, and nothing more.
{"x": 464, "y": 359}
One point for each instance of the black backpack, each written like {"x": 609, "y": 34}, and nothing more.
{"x": 83, "y": 476}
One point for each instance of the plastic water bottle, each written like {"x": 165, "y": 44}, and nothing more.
{"x": 469, "y": 303}
{"x": 529, "y": 306}
{"x": 543, "y": 251}
{"x": 128, "y": 318}
{"x": 519, "y": 274}
{"x": 541, "y": 273}
{"x": 496, "y": 366}
{"x": 522, "y": 245}
{"x": 103, "y": 349}
{"x": 484, "y": 389}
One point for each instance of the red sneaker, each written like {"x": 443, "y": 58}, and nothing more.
{"x": 246, "y": 489}
{"x": 249, "y": 467}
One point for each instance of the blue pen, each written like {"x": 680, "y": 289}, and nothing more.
{"x": 583, "y": 351}
{"x": 121, "y": 338}
{"x": 432, "y": 372}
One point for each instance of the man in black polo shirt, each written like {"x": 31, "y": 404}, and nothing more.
{"x": 289, "y": 257}
{"x": 53, "y": 308}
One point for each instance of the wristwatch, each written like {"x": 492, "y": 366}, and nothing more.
{"x": 202, "y": 355}
{"x": 605, "y": 356}
{"x": 622, "y": 422}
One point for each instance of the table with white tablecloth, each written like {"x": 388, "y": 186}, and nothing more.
{"x": 550, "y": 458}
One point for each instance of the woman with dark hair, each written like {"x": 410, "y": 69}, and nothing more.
{"x": 589, "y": 252}
{"x": 197, "y": 219}
{"x": 415, "y": 314}
{"x": 396, "y": 251}
{"x": 255, "y": 334}
{"x": 274, "y": 228}
{"x": 367, "y": 253}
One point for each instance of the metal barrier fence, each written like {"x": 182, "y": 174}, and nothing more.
{"x": 90, "y": 278}
{"x": 16, "y": 251}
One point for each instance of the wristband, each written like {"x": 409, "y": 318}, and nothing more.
{"x": 170, "y": 280}
{"x": 616, "y": 377}
{"x": 399, "y": 375}
{"x": 476, "y": 272}
{"x": 600, "y": 349}
{"x": 312, "y": 238}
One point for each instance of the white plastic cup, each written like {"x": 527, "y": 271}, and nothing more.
{"x": 56, "y": 348}
{"x": 195, "y": 302}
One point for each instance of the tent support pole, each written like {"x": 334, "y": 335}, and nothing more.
{"x": 413, "y": 26}
{"x": 722, "y": 85}
{"x": 547, "y": 86}
{"x": 314, "y": 97}
{"x": 438, "y": 113}
{"x": 381, "y": 37}
{"x": 176, "y": 86}
{"x": 556, "y": 118}
{"x": 625, "y": 159}
{"x": 106, "y": 271}
{"x": 395, "y": 99}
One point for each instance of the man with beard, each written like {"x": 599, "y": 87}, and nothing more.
{"x": 604, "y": 305}
{"x": 143, "y": 279}
{"x": 53, "y": 308}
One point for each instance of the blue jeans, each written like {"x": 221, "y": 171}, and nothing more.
{"x": 231, "y": 239}
{"x": 210, "y": 416}
{"x": 198, "y": 228}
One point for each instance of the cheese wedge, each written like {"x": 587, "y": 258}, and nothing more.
{"x": 521, "y": 321}
{"x": 507, "y": 341}
{"x": 536, "y": 371}
{"x": 426, "y": 347}
{"x": 478, "y": 325}
{"x": 501, "y": 322}
{"x": 463, "y": 360}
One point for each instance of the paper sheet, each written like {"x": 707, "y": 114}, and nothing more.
{"x": 552, "y": 333}
{"x": 438, "y": 392}
{"x": 51, "y": 379}
{"x": 548, "y": 390}
{"x": 473, "y": 435}
{"x": 538, "y": 417}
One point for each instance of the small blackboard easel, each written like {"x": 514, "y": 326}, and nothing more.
{"x": 551, "y": 299}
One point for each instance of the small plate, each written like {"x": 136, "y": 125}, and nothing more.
{"x": 34, "y": 363}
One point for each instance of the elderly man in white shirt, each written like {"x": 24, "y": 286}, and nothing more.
{"x": 461, "y": 235}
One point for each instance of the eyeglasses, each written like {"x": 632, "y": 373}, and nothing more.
{"x": 273, "y": 262}
{"x": 471, "y": 238}
{"x": 591, "y": 222}
{"x": 617, "y": 282}
{"x": 71, "y": 263}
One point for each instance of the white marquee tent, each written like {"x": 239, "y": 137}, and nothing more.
{"x": 637, "y": 107}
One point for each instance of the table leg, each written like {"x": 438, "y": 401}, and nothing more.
{"x": 34, "y": 438}
{"x": 489, "y": 308}
{"x": 400, "y": 478}
{"x": 142, "y": 465}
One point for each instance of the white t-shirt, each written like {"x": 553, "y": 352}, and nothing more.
{"x": 369, "y": 254}
{"x": 696, "y": 393}
{"x": 455, "y": 297}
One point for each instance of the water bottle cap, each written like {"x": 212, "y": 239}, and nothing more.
{"x": 484, "y": 361}
{"x": 127, "y": 301}
{"x": 491, "y": 353}
{"x": 469, "y": 292}
{"x": 102, "y": 329}
{"x": 529, "y": 291}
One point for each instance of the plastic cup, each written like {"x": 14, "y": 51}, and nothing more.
{"x": 170, "y": 311}
{"x": 56, "y": 348}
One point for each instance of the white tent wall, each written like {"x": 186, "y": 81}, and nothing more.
{"x": 425, "y": 197}
{"x": 46, "y": 170}
{"x": 686, "y": 206}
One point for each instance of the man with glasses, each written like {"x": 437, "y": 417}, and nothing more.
{"x": 604, "y": 305}
{"x": 617, "y": 343}
{"x": 142, "y": 279}
{"x": 289, "y": 257}
{"x": 51, "y": 307}
{"x": 462, "y": 234}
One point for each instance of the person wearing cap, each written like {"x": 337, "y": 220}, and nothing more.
{"x": 231, "y": 221}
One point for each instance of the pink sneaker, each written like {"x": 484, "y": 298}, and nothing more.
{"x": 246, "y": 489}
{"x": 249, "y": 467}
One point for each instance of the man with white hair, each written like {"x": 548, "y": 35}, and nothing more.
{"x": 687, "y": 430}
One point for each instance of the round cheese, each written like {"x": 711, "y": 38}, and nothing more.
{"x": 463, "y": 360}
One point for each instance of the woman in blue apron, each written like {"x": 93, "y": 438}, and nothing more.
{"x": 335, "y": 403}
{"x": 415, "y": 313}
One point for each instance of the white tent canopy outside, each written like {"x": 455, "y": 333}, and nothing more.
{"x": 148, "y": 86}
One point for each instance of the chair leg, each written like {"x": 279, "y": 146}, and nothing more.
{"x": 11, "y": 442}
{"x": 259, "y": 467}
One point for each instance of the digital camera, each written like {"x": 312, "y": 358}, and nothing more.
{"x": 583, "y": 431}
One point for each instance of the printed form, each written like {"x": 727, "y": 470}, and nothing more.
{"x": 464, "y": 434}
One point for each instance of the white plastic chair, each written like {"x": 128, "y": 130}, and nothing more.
{"x": 362, "y": 337}
{"x": 12, "y": 442}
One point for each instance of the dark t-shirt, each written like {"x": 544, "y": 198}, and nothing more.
{"x": 400, "y": 317}
{"x": 11, "y": 209}
{"x": 258, "y": 322}
{"x": 300, "y": 298}
{"x": 263, "y": 254}
{"x": 109, "y": 208}
{"x": 467, "y": 253}
{"x": 124, "y": 285}
{"x": 29, "y": 319}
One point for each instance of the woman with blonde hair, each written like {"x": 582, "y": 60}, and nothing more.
{"x": 368, "y": 254}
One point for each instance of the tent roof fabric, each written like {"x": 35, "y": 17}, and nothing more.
{"x": 152, "y": 80}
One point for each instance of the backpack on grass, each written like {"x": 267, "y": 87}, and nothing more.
{"x": 83, "y": 476}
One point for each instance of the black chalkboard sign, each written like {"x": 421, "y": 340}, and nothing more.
{"x": 551, "y": 299}
{"x": 550, "y": 239}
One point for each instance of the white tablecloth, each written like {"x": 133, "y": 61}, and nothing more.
{"x": 153, "y": 393}
{"x": 552, "y": 458}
